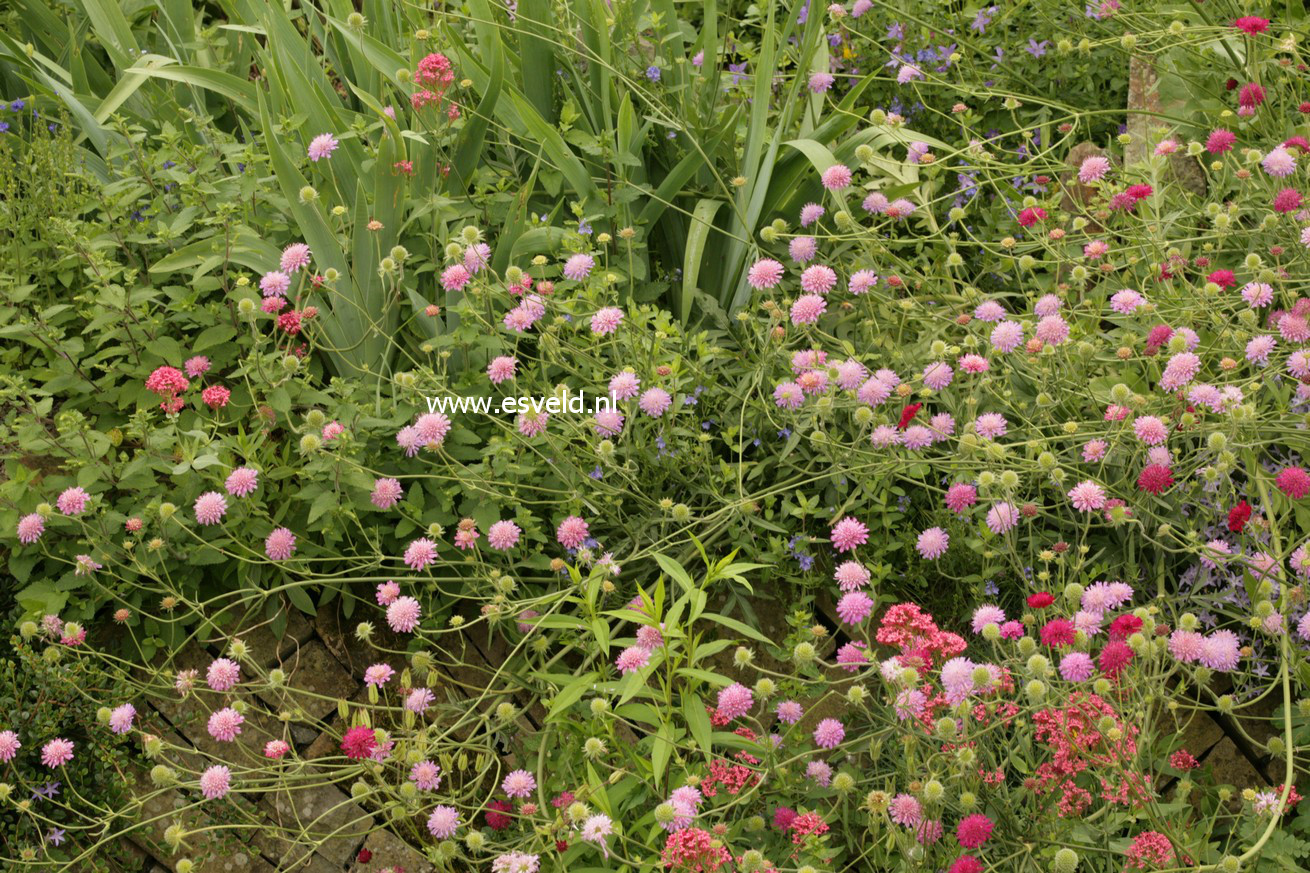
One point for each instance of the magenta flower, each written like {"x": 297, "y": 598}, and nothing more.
{"x": 849, "y": 533}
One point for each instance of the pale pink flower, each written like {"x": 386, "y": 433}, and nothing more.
{"x": 225, "y": 724}
{"x": 420, "y": 553}
{"x": 280, "y": 544}
{"x": 215, "y": 782}
{"x": 322, "y": 146}
{"x": 932, "y": 543}
{"x": 242, "y": 481}
{"x": 606, "y": 320}
{"x": 386, "y": 493}
{"x": 1087, "y": 496}
{"x": 403, "y": 615}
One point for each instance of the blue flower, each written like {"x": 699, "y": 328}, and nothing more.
{"x": 17, "y": 106}
{"x": 1037, "y": 49}
{"x": 56, "y": 836}
{"x": 653, "y": 73}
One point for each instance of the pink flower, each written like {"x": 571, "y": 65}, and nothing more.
{"x": 735, "y": 701}
{"x": 9, "y": 746}
{"x": 829, "y": 733}
{"x": 322, "y": 146}
{"x": 579, "y": 267}
{"x": 57, "y": 752}
{"x": 276, "y": 749}
{"x": 655, "y": 402}
{"x": 849, "y": 533}
{"x": 225, "y": 724}
{"x": 789, "y": 712}
{"x": 985, "y": 615}
{"x": 378, "y": 675}
{"x": 1220, "y": 141}
{"x": 802, "y": 249}
{"x": 73, "y": 501}
{"x": 624, "y": 385}
{"x": 280, "y": 544}
{"x": 836, "y": 177}
{"x": 851, "y": 576}
{"x": 419, "y": 700}
{"x": 274, "y": 284}
{"x": 1093, "y": 169}
{"x": 960, "y": 496}
{"x": 294, "y": 257}
{"x": 937, "y": 375}
{"x": 503, "y": 535}
{"x": 501, "y": 368}
{"x": 632, "y": 659}
{"x": 519, "y": 783}
{"x": 818, "y": 279}
{"x": 788, "y": 395}
{"x": 1293, "y": 481}
{"x": 1076, "y": 667}
{"x": 455, "y": 277}
{"x": 210, "y": 507}
{"x": 861, "y": 281}
{"x": 606, "y": 320}
{"x": 905, "y": 810}
{"x": 572, "y": 532}
{"x": 1007, "y": 336}
{"x": 197, "y": 366}
{"x": 403, "y": 614}
{"x": 242, "y": 481}
{"x": 808, "y": 308}
{"x": 1150, "y": 430}
{"x": 420, "y": 553}
{"x": 425, "y": 775}
{"x": 854, "y": 607}
{"x": 120, "y": 719}
{"x": 932, "y": 543}
{"x": 1002, "y": 517}
{"x": 223, "y": 674}
{"x": 973, "y": 831}
{"x": 30, "y": 528}
{"x": 764, "y": 273}
{"x": 609, "y": 423}
{"x": 443, "y": 822}
{"x": 215, "y": 782}
{"x": 1087, "y": 496}
{"x": 386, "y": 493}
{"x": 1052, "y": 330}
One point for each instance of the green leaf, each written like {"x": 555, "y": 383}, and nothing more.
{"x": 674, "y": 569}
{"x": 698, "y": 721}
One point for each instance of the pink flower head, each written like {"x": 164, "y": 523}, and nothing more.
{"x": 386, "y": 493}
{"x": 443, "y": 822}
{"x": 210, "y": 508}
{"x": 735, "y": 701}
{"x": 294, "y": 257}
{"x": 1093, "y": 169}
{"x": 837, "y": 177}
{"x": 242, "y": 481}
{"x": 854, "y": 607}
{"x": 73, "y": 501}
{"x": 932, "y": 543}
{"x": 808, "y": 308}
{"x": 789, "y": 712}
{"x": 378, "y": 675}
{"x": 849, "y": 533}
{"x": 225, "y": 724}
{"x": 572, "y": 532}
{"x": 322, "y": 146}
{"x": 632, "y": 659}
{"x": 425, "y": 775}
{"x": 197, "y": 366}
{"x": 519, "y": 783}
{"x": 276, "y": 749}
{"x": 503, "y": 535}
{"x": 57, "y": 752}
{"x": 120, "y": 719}
{"x": 655, "y": 402}
{"x": 829, "y": 733}
{"x": 579, "y": 267}
{"x": 223, "y": 674}
{"x": 30, "y": 528}
{"x": 420, "y": 553}
{"x": 501, "y": 368}
{"x": 403, "y": 614}
{"x": 9, "y": 746}
{"x": 818, "y": 279}
{"x": 1087, "y": 496}
{"x": 1293, "y": 481}
{"x": 606, "y": 320}
{"x": 851, "y": 576}
{"x": 973, "y": 830}
{"x": 764, "y": 273}
{"x": 215, "y": 782}
{"x": 280, "y": 544}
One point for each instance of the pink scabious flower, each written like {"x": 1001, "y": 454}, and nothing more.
{"x": 223, "y": 674}
{"x": 905, "y": 810}
{"x": 225, "y": 724}
{"x": 184, "y": 682}
{"x": 501, "y": 368}
{"x": 854, "y": 607}
{"x": 937, "y": 375}
{"x": 1220, "y": 651}
{"x": 276, "y": 749}
{"x": 9, "y": 746}
{"x": 242, "y": 481}
{"x": 197, "y": 366}
{"x": 387, "y": 592}
{"x": 215, "y": 782}
{"x": 788, "y": 395}
{"x": 820, "y": 772}
{"x": 30, "y": 528}
{"x": 820, "y": 82}
{"x": 210, "y": 508}
{"x": 789, "y": 712}
{"x": 359, "y": 742}
{"x": 1150, "y": 430}
{"x": 764, "y": 273}
{"x": 1279, "y": 162}
{"x": 503, "y": 535}
{"x": 1047, "y": 304}
{"x": 609, "y": 423}
{"x": 1002, "y": 517}
{"x": 1007, "y": 336}
{"x": 649, "y": 637}
{"x": 735, "y": 701}
{"x": 532, "y": 423}
{"x": 1093, "y": 169}
{"x": 655, "y": 402}
{"x": 973, "y": 830}
{"x": 1096, "y": 249}
{"x": 632, "y": 659}
{"x": 455, "y": 277}
{"x": 579, "y": 267}
{"x": 403, "y": 615}
{"x": 280, "y": 544}
{"x": 908, "y": 73}
{"x": 989, "y": 311}
{"x": 274, "y": 283}
{"x": 1258, "y": 349}
{"x": 1181, "y": 369}
{"x": 1251, "y": 24}
{"x": 1186, "y": 646}
{"x": 974, "y": 364}
{"x": 272, "y": 305}
{"x": 874, "y": 391}
{"x": 837, "y": 177}
{"x": 849, "y": 533}
{"x": 1287, "y": 200}
{"x": 1293, "y": 481}
{"x": 57, "y": 752}
{"x": 876, "y": 203}
{"x": 851, "y": 576}
{"x": 1087, "y": 496}
{"x": 120, "y": 719}
{"x": 1125, "y": 301}
{"x": 294, "y": 257}
{"x": 322, "y": 146}
{"x": 851, "y": 374}
{"x": 606, "y": 320}
{"x": 1076, "y": 667}
{"x": 378, "y": 675}
{"x": 808, "y": 308}
{"x": 1302, "y": 630}
{"x": 1298, "y": 364}
{"x": 624, "y": 385}
{"x": 829, "y": 733}
{"x": 420, "y": 553}
{"x": 443, "y": 822}
{"x": 518, "y": 783}
{"x": 802, "y": 249}
{"x": 73, "y": 501}
{"x": 818, "y": 279}
{"x": 425, "y": 775}
{"x": 861, "y": 281}
{"x": 419, "y": 700}
{"x": 810, "y": 213}
{"x": 572, "y": 532}
{"x": 386, "y": 493}
{"x": 1052, "y": 330}
{"x": 960, "y": 496}
{"x": 991, "y": 425}
{"x": 932, "y": 543}
{"x": 985, "y": 615}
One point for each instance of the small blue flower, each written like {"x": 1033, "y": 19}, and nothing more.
{"x": 17, "y": 106}
{"x": 653, "y": 73}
